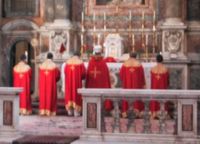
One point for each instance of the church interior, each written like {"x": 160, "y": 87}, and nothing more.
{"x": 170, "y": 28}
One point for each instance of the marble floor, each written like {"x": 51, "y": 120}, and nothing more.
{"x": 41, "y": 125}
{"x": 53, "y": 125}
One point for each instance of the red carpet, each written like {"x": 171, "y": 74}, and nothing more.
{"x": 44, "y": 140}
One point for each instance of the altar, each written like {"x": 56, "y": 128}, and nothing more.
{"x": 114, "y": 69}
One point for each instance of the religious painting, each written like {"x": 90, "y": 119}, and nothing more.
{"x": 187, "y": 117}
{"x": 111, "y": 6}
{"x": 113, "y": 2}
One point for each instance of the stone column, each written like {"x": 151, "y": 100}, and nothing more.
{"x": 173, "y": 31}
{"x": 1, "y": 9}
{"x": 173, "y": 8}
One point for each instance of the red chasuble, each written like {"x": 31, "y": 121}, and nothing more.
{"x": 97, "y": 74}
{"x": 132, "y": 77}
{"x": 74, "y": 73}
{"x": 49, "y": 74}
{"x": 98, "y": 77}
{"x": 159, "y": 80}
{"x": 110, "y": 59}
{"x": 22, "y": 78}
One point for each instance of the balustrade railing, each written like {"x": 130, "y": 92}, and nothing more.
{"x": 176, "y": 120}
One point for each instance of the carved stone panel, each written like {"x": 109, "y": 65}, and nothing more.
{"x": 187, "y": 117}
{"x": 92, "y": 115}
{"x": 7, "y": 113}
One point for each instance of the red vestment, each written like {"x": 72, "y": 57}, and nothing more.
{"x": 48, "y": 89}
{"x": 23, "y": 79}
{"x": 74, "y": 73}
{"x": 132, "y": 77}
{"x": 158, "y": 81}
{"x": 98, "y": 77}
{"x": 110, "y": 59}
{"x": 97, "y": 74}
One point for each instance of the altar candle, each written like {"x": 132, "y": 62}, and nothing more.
{"x": 94, "y": 16}
{"x": 98, "y": 39}
{"x": 154, "y": 16}
{"x": 82, "y": 17}
{"x": 130, "y": 15}
{"x": 146, "y": 40}
{"x": 133, "y": 39}
{"x": 104, "y": 19}
{"x": 81, "y": 39}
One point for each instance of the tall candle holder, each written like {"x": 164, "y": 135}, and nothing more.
{"x": 82, "y": 33}
{"x": 154, "y": 33}
{"x": 94, "y": 29}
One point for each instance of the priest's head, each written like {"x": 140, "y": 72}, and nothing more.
{"x": 49, "y": 55}
{"x": 97, "y": 50}
{"x": 159, "y": 58}
{"x": 23, "y": 57}
{"x": 132, "y": 54}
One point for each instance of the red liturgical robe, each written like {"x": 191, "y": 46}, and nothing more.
{"x": 158, "y": 81}
{"x": 74, "y": 73}
{"x": 48, "y": 76}
{"x": 22, "y": 78}
{"x": 97, "y": 74}
{"x": 110, "y": 59}
{"x": 98, "y": 77}
{"x": 132, "y": 77}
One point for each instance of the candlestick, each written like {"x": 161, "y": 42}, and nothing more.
{"x": 98, "y": 39}
{"x": 104, "y": 19}
{"x": 94, "y": 17}
{"x": 154, "y": 17}
{"x": 146, "y": 46}
{"x": 82, "y": 16}
{"x": 130, "y": 15}
{"x": 133, "y": 42}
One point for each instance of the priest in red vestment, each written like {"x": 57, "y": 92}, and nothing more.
{"x": 49, "y": 74}
{"x": 74, "y": 74}
{"x": 22, "y": 78}
{"x": 132, "y": 77}
{"x": 159, "y": 80}
{"x": 98, "y": 75}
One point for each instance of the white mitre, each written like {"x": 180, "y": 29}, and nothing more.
{"x": 97, "y": 49}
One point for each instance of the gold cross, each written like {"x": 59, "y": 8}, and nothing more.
{"x": 21, "y": 75}
{"x": 46, "y": 72}
{"x": 72, "y": 67}
{"x": 95, "y": 72}
{"x": 157, "y": 76}
{"x": 131, "y": 69}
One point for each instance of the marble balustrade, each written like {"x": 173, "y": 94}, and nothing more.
{"x": 182, "y": 128}
{"x": 9, "y": 110}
